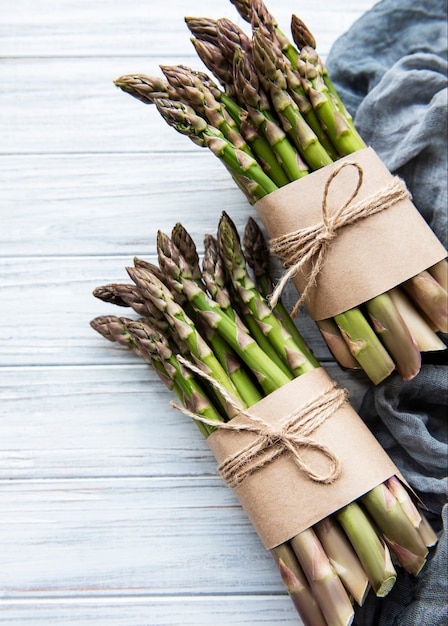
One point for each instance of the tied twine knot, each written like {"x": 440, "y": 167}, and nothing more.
{"x": 272, "y": 440}
{"x": 310, "y": 245}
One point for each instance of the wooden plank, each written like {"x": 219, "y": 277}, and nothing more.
{"x": 111, "y": 204}
{"x": 221, "y": 610}
{"x": 75, "y": 28}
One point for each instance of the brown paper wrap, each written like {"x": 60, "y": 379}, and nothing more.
{"x": 279, "y": 499}
{"x": 365, "y": 259}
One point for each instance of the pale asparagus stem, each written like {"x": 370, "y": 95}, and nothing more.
{"x": 343, "y": 558}
{"x": 297, "y": 586}
{"x": 365, "y": 345}
{"x": 431, "y": 297}
{"x": 439, "y": 271}
{"x": 336, "y": 344}
{"x": 417, "y": 519}
{"x": 325, "y": 584}
{"x": 395, "y": 335}
{"x": 398, "y": 531}
{"x": 371, "y": 550}
{"x": 425, "y": 337}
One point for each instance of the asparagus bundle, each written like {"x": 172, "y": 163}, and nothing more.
{"x": 272, "y": 117}
{"x": 208, "y": 333}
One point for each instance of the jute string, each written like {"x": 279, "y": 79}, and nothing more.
{"x": 271, "y": 440}
{"x": 311, "y": 244}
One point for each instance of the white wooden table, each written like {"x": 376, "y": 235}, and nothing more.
{"x": 111, "y": 511}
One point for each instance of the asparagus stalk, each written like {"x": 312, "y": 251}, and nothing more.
{"x": 371, "y": 551}
{"x": 258, "y": 107}
{"x": 431, "y": 297}
{"x": 257, "y": 14}
{"x": 323, "y": 579}
{"x": 343, "y": 558}
{"x": 304, "y": 138}
{"x": 176, "y": 267}
{"x": 297, "y": 586}
{"x": 157, "y": 292}
{"x": 145, "y": 88}
{"x": 424, "y": 336}
{"x": 232, "y": 255}
{"x": 224, "y": 295}
{"x": 301, "y": 34}
{"x": 184, "y": 119}
{"x": 342, "y": 134}
{"x": 395, "y": 335}
{"x": 337, "y": 344}
{"x": 400, "y": 534}
{"x": 269, "y": 375}
{"x": 364, "y": 345}
{"x": 194, "y": 396}
{"x": 116, "y": 329}
{"x": 189, "y": 88}
{"x": 439, "y": 272}
{"x": 419, "y": 521}
{"x": 302, "y": 598}
{"x": 256, "y": 253}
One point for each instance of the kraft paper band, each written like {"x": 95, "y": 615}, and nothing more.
{"x": 362, "y": 259}
{"x": 280, "y": 498}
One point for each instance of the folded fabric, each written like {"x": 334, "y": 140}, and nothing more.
{"x": 390, "y": 69}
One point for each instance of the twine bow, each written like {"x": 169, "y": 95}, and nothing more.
{"x": 271, "y": 440}
{"x": 310, "y": 245}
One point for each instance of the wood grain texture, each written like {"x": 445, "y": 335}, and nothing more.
{"x": 112, "y": 512}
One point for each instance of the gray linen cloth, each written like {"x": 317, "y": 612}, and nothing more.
{"x": 390, "y": 69}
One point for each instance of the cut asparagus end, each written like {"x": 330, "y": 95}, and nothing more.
{"x": 337, "y": 345}
{"x": 395, "y": 335}
{"x": 370, "y": 548}
{"x": 364, "y": 345}
{"x": 425, "y": 337}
